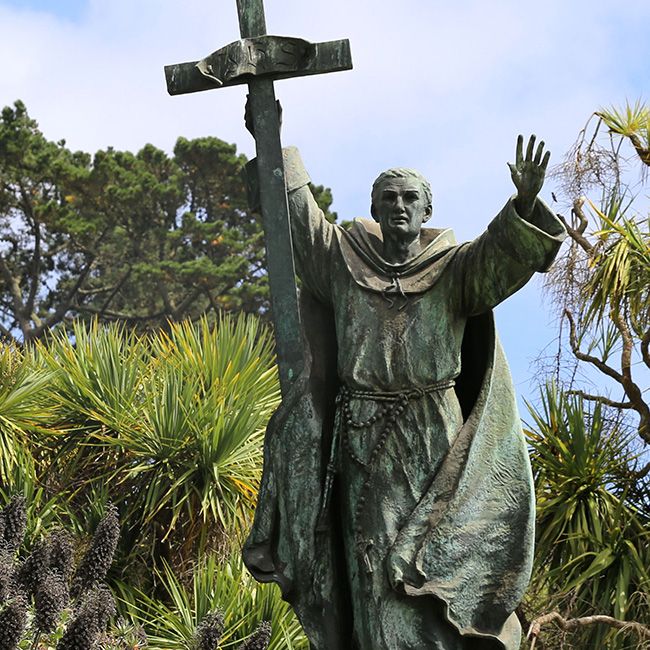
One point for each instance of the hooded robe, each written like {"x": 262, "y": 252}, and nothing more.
{"x": 388, "y": 528}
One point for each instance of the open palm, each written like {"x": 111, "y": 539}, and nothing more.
{"x": 528, "y": 173}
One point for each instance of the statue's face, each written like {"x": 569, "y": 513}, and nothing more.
{"x": 400, "y": 206}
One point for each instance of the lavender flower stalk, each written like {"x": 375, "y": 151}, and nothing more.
{"x": 260, "y": 639}
{"x": 95, "y": 564}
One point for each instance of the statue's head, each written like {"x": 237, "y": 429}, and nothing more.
{"x": 401, "y": 201}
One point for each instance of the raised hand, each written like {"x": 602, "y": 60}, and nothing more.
{"x": 528, "y": 174}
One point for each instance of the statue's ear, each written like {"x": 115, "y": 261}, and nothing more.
{"x": 428, "y": 211}
{"x": 373, "y": 212}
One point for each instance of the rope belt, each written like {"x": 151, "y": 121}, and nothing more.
{"x": 391, "y": 396}
{"x": 394, "y": 404}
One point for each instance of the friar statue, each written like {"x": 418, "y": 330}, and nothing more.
{"x": 396, "y": 509}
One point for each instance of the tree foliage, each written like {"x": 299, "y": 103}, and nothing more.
{"x": 142, "y": 238}
{"x": 589, "y": 428}
{"x": 168, "y": 427}
{"x": 602, "y": 284}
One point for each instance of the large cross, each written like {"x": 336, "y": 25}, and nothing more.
{"x": 257, "y": 59}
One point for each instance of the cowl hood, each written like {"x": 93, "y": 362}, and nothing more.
{"x": 362, "y": 248}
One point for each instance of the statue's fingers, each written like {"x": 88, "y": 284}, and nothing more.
{"x": 545, "y": 160}
{"x": 514, "y": 172}
{"x": 529, "y": 149}
{"x": 519, "y": 158}
{"x": 538, "y": 153}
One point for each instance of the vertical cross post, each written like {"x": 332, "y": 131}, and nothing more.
{"x": 257, "y": 59}
{"x": 275, "y": 210}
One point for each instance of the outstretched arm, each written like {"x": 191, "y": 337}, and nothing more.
{"x": 523, "y": 238}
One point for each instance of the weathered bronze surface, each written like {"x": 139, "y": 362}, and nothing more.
{"x": 257, "y": 59}
{"x": 277, "y": 57}
{"x": 396, "y": 509}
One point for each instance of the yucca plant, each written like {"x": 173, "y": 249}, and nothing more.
{"x": 217, "y": 596}
{"x": 592, "y": 553}
{"x": 25, "y": 409}
{"x": 632, "y": 122}
{"x": 96, "y": 386}
{"x": 168, "y": 426}
{"x": 620, "y": 283}
{"x": 192, "y": 462}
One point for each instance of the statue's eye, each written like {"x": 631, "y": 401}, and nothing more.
{"x": 411, "y": 196}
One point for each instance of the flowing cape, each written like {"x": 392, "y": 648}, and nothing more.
{"x": 468, "y": 542}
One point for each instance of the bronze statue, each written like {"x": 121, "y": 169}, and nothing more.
{"x": 396, "y": 509}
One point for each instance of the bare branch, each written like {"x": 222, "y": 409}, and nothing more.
{"x": 57, "y": 315}
{"x": 6, "y": 336}
{"x": 34, "y": 271}
{"x": 632, "y": 389}
{"x": 577, "y": 233}
{"x": 570, "y": 624}
{"x": 117, "y": 316}
{"x": 645, "y": 348}
{"x": 13, "y": 286}
{"x": 186, "y": 302}
{"x": 116, "y": 289}
{"x": 575, "y": 348}
{"x": 603, "y": 400}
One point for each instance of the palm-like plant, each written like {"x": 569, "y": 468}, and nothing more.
{"x": 632, "y": 122}
{"x": 192, "y": 461}
{"x": 620, "y": 282}
{"x": 214, "y": 586}
{"x": 168, "y": 426}
{"x": 25, "y": 408}
{"x": 592, "y": 551}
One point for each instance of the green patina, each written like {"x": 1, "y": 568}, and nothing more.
{"x": 396, "y": 509}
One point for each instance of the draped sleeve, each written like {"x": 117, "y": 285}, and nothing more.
{"x": 314, "y": 238}
{"x": 504, "y": 257}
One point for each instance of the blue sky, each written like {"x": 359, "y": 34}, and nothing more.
{"x": 442, "y": 87}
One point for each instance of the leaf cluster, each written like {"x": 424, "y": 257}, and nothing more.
{"x": 142, "y": 238}
{"x": 601, "y": 285}
{"x": 592, "y": 547}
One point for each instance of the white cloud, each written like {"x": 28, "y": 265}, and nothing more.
{"x": 438, "y": 86}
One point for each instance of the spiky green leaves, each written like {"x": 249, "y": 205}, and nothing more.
{"x": 593, "y": 545}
